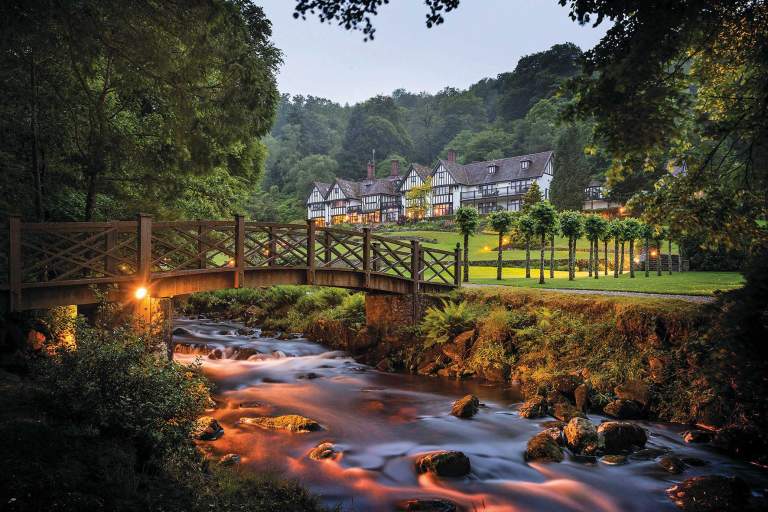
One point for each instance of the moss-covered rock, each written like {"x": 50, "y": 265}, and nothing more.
{"x": 581, "y": 436}
{"x": 289, "y": 422}
{"x": 207, "y": 429}
{"x": 324, "y": 450}
{"x": 543, "y": 448}
{"x": 624, "y": 409}
{"x": 621, "y": 436}
{"x": 536, "y": 407}
{"x": 444, "y": 463}
{"x": 465, "y": 407}
{"x": 565, "y": 411}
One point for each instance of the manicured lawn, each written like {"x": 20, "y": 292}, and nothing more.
{"x": 687, "y": 283}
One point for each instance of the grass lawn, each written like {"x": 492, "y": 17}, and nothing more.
{"x": 687, "y": 283}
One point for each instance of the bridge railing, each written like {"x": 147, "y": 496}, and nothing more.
{"x": 39, "y": 255}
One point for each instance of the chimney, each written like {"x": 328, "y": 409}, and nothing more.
{"x": 395, "y": 167}
{"x": 371, "y": 171}
{"x": 452, "y": 155}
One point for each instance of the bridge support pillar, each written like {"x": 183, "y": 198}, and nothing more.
{"x": 153, "y": 316}
{"x": 384, "y": 311}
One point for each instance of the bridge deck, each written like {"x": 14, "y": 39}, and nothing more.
{"x": 50, "y": 264}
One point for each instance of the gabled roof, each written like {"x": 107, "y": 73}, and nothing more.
{"x": 387, "y": 186}
{"x": 350, "y": 189}
{"x": 424, "y": 171}
{"x": 508, "y": 169}
{"x": 321, "y": 187}
{"x": 595, "y": 183}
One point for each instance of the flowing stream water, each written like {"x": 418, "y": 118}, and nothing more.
{"x": 381, "y": 422}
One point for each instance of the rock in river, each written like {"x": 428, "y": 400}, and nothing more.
{"x": 543, "y": 448}
{"x": 290, "y": 422}
{"x": 443, "y": 463}
{"x": 229, "y": 459}
{"x": 581, "y": 436}
{"x": 427, "y": 505}
{"x": 564, "y": 411}
{"x": 672, "y": 464}
{"x": 465, "y": 407}
{"x": 621, "y": 436}
{"x": 624, "y": 409}
{"x": 207, "y": 429}
{"x": 324, "y": 450}
{"x": 710, "y": 493}
{"x": 536, "y": 407}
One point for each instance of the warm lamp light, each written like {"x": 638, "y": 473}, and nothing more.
{"x": 637, "y": 260}
{"x": 140, "y": 293}
{"x": 231, "y": 262}
{"x": 653, "y": 253}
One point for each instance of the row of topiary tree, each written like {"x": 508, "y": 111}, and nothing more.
{"x": 541, "y": 222}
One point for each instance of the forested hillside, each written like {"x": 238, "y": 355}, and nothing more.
{"x": 517, "y": 112}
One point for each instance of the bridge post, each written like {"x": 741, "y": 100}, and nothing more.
{"x": 14, "y": 262}
{"x": 415, "y": 265}
{"x": 367, "y": 256}
{"x": 310, "y": 251}
{"x": 272, "y": 247}
{"x": 144, "y": 249}
{"x": 457, "y": 265}
{"x": 239, "y": 250}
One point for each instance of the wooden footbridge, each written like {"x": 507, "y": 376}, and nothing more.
{"x": 66, "y": 263}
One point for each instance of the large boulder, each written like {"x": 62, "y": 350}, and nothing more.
{"x": 624, "y": 409}
{"x": 581, "y": 436}
{"x": 621, "y": 436}
{"x": 495, "y": 373}
{"x": 565, "y": 411}
{"x": 536, "y": 407}
{"x": 427, "y": 505}
{"x": 289, "y": 422}
{"x": 543, "y": 448}
{"x": 710, "y": 493}
{"x": 429, "y": 368}
{"x": 458, "y": 350}
{"x": 207, "y": 429}
{"x": 443, "y": 463}
{"x": 465, "y": 407}
{"x": 743, "y": 441}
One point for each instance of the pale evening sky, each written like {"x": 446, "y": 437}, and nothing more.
{"x": 482, "y": 38}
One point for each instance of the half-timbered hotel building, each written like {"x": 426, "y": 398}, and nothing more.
{"x": 488, "y": 186}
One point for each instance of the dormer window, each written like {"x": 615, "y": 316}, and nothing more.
{"x": 492, "y": 168}
{"x": 524, "y": 164}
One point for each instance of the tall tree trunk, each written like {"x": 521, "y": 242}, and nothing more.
{"x": 647, "y": 265}
{"x": 621, "y": 263}
{"x": 552, "y": 257}
{"x": 36, "y": 149}
{"x": 616, "y": 258}
{"x": 498, "y": 260}
{"x": 527, "y": 257}
{"x": 571, "y": 244}
{"x": 605, "y": 254}
{"x": 669, "y": 257}
{"x": 541, "y": 258}
{"x": 591, "y": 258}
{"x": 466, "y": 258}
{"x": 658, "y": 257}
{"x": 596, "y": 243}
{"x": 631, "y": 258}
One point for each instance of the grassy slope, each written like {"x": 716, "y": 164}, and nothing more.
{"x": 688, "y": 283}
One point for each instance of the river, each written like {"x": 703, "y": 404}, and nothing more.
{"x": 380, "y": 422}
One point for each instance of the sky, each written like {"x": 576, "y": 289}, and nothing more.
{"x": 482, "y": 38}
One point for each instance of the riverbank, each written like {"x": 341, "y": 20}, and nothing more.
{"x": 655, "y": 356}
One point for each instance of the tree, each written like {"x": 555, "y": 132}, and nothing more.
{"x": 606, "y": 236}
{"x": 633, "y": 230}
{"x": 142, "y": 100}
{"x": 418, "y": 196}
{"x": 615, "y": 232}
{"x": 532, "y": 197}
{"x": 646, "y": 232}
{"x": 572, "y": 227}
{"x": 502, "y": 223}
{"x": 544, "y": 217}
{"x": 573, "y": 169}
{"x": 526, "y": 228}
{"x": 467, "y": 220}
{"x": 594, "y": 227}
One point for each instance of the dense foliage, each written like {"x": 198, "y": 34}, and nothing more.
{"x": 111, "y": 108}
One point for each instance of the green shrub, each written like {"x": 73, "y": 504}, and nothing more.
{"x": 351, "y": 311}
{"x": 441, "y": 325}
{"x": 114, "y": 383}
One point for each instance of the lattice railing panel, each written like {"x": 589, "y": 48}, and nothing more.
{"x": 281, "y": 245}
{"x": 71, "y": 254}
{"x": 391, "y": 256}
{"x": 340, "y": 248}
{"x": 181, "y": 246}
{"x": 437, "y": 266}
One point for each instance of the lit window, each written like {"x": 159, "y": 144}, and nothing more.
{"x": 525, "y": 164}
